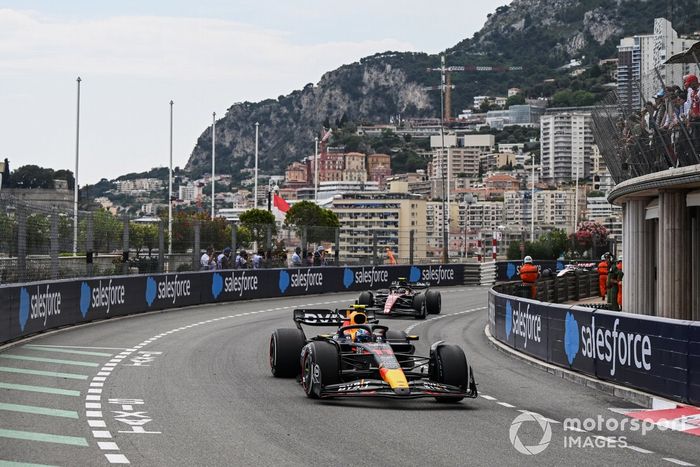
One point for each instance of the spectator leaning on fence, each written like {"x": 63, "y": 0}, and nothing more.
{"x": 258, "y": 259}
{"x": 296, "y": 258}
{"x": 208, "y": 261}
{"x": 242, "y": 260}
{"x": 223, "y": 261}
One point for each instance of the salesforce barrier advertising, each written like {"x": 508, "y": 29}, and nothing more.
{"x": 658, "y": 355}
{"x": 31, "y": 308}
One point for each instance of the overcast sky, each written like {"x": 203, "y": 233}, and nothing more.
{"x": 134, "y": 56}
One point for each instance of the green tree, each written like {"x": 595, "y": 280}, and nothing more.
{"x": 107, "y": 231}
{"x": 38, "y": 231}
{"x": 320, "y": 223}
{"x": 517, "y": 99}
{"x": 257, "y": 222}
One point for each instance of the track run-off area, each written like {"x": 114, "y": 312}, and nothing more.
{"x": 192, "y": 386}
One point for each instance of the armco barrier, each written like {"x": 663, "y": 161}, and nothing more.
{"x": 657, "y": 355}
{"x": 31, "y": 308}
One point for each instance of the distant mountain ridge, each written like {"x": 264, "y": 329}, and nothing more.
{"x": 540, "y": 35}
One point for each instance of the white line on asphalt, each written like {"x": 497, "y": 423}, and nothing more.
{"x": 93, "y": 414}
{"x": 488, "y": 398}
{"x": 101, "y": 434}
{"x": 506, "y": 404}
{"x": 93, "y": 405}
{"x": 96, "y": 385}
{"x": 117, "y": 459}
{"x": 108, "y": 446}
{"x": 99, "y": 378}
{"x": 95, "y": 391}
{"x": 539, "y": 415}
{"x": 77, "y": 347}
{"x": 93, "y": 397}
{"x": 638, "y": 449}
{"x": 97, "y": 423}
{"x": 676, "y": 461}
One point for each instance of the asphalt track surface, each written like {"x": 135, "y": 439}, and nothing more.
{"x": 201, "y": 393}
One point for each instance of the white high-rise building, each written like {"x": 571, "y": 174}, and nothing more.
{"x": 566, "y": 145}
{"x": 638, "y": 56}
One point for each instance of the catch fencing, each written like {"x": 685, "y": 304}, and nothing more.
{"x": 42, "y": 242}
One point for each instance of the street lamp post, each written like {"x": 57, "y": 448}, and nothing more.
{"x": 445, "y": 186}
{"x": 75, "y": 183}
{"x": 316, "y": 170}
{"x": 255, "y": 193}
{"x": 170, "y": 186}
{"x": 213, "y": 163}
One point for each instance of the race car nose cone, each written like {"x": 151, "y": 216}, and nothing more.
{"x": 402, "y": 391}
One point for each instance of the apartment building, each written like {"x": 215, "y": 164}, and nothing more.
{"x": 388, "y": 217}
{"x": 566, "y": 145}
{"x": 552, "y": 209}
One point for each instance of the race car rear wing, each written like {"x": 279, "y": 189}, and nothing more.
{"x": 325, "y": 317}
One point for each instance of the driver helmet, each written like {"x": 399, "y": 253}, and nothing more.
{"x": 528, "y": 259}
{"x": 604, "y": 257}
{"x": 362, "y": 335}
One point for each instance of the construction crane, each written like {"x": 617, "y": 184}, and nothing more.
{"x": 446, "y": 85}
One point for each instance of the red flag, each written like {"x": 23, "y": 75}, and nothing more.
{"x": 280, "y": 203}
{"x": 326, "y": 135}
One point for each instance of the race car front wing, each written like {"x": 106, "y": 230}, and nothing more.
{"x": 379, "y": 388}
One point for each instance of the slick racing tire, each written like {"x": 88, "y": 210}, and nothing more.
{"x": 448, "y": 365}
{"x": 433, "y": 302}
{"x": 366, "y": 298}
{"x": 319, "y": 367}
{"x": 420, "y": 306}
{"x": 285, "y": 348}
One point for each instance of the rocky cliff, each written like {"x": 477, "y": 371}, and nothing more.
{"x": 540, "y": 35}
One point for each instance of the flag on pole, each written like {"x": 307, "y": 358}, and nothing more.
{"x": 280, "y": 207}
{"x": 326, "y": 134}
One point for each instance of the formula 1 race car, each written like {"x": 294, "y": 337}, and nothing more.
{"x": 404, "y": 298}
{"x": 364, "y": 359}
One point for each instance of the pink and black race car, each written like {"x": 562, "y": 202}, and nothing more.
{"x": 403, "y": 298}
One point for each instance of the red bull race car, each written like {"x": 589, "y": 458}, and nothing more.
{"x": 362, "y": 358}
{"x": 404, "y": 298}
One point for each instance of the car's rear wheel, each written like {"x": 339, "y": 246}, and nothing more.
{"x": 319, "y": 362}
{"x": 285, "y": 348}
{"x": 366, "y": 298}
{"x": 448, "y": 365}
{"x": 433, "y": 302}
{"x": 419, "y": 305}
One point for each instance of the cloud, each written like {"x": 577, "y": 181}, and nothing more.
{"x": 168, "y": 47}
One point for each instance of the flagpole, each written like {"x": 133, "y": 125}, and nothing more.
{"x": 213, "y": 161}
{"x": 255, "y": 195}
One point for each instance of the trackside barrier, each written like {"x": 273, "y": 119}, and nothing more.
{"x": 656, "y": 355}
{"x": 40, "y": 306}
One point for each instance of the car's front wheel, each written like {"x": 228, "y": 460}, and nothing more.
{"x": 419, "y": 306}
{"x": 433, "y": 302}
{"x": 319, "y": 363}
{"x": 448, "y": 365}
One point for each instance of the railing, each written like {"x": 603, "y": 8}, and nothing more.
{"x": 637, "y": 136}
